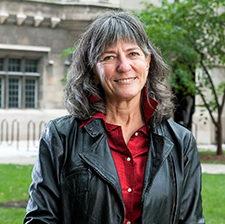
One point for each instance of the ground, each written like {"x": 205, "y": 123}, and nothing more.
{"x": 212, "y": 158}
{"x": 14, "y": 204}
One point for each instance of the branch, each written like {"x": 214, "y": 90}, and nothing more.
{"x": 206, "y": 105}
{"x": 211, "y": 82}
{"x": 223, "y": 102}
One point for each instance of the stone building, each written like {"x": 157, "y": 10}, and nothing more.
{"x": 33, "y": 34}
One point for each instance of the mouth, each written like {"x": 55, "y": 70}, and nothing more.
{"x": 125, "y": 80}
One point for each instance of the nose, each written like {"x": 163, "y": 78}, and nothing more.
{"x": 123, "y": 64}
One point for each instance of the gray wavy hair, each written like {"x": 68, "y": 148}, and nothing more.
{"x": 103, "y": 32}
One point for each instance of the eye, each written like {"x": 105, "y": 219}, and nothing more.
{"x": 109, "y": 57}
{"x": 133, "y": 54}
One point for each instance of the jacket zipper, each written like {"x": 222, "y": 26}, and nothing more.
{"x": 174, "y": 192}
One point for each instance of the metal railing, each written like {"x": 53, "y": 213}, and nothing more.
{"x": 15, "y": 132}
{"x": 31, "y": 122}
{"x": 14, "y": 122}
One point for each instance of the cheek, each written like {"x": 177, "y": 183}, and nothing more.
{"x": 105, "y": 74}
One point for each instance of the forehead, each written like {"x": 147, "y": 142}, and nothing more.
{"x": 121, "y": 44}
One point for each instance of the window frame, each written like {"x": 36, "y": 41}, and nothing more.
{"x": 19, "y": 92}
{"x": 2, "y": 89}
{"x": 22, "y": 76}
{"x": 35, "y": 91}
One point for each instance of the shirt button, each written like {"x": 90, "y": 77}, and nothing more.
{"x": 129, "y": 190}
{"x": 128, "y": 222}
{"x": 128, "y": 159}
{"x": 136, "y": 134}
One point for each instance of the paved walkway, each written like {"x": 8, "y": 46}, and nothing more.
{"x": 27, "y": 155}
{"x": 213, "y": 168}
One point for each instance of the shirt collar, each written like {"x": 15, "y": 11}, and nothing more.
{"x": 149, "y": 106}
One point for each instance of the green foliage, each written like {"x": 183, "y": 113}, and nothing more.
{"x": 190, "y": 33}
{"x": 221, "y": 88}
{"x": 187, "y": 32}
{"x": 67, "y": 52}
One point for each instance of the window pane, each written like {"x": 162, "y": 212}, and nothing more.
{"x": 31, "y": 65}
{"x": 1, "y": 64}
{"x": 30, "y": 93}
{"x": 1, "y": 94}
{"x": 13, "y": 93}
{"x": 14, "y": 65}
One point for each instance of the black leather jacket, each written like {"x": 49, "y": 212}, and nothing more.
{"x": 75, "y": 179}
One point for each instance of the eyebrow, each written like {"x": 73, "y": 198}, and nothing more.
{"x": 134, "y": 48}
{"x": 129, "y": 49}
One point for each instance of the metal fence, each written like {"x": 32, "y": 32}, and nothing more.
{"x": 15, "y": 132}
{"x": 33, "y": 133}
{"x": 32, "y": 123}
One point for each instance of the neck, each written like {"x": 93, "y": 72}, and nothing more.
{"x": 122, "y": 113}
{"x": 126, "y": 114}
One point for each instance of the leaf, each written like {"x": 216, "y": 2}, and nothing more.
{"x": 67, "y": 52}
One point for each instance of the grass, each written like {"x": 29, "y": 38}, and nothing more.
{"x": 208, "y": 152}
{"x": 12, "y": 215}
{"x": 14, "y": 184}
{"x": 213, "y": 198}
{"x": 15, "y": 181}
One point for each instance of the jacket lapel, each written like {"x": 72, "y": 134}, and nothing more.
{"x": 99, "y": 156}
{"x": 159, "y": 150}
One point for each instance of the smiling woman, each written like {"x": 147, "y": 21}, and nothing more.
{"x": 122, "y": 72}
{"x": 117, "y": 158}
{"x": 96, "y": 46}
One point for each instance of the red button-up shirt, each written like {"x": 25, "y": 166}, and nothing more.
{"x": 130, "y": 160}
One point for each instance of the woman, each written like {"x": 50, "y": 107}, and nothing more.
{"x": 117, "y": 158}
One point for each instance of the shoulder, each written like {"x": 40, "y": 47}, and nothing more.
{"x": 170, "y": 127}
{"x": 178, "y": 134}
{"x": 62, "y": 125}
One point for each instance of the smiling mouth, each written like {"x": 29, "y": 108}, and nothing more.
{"x": 125, "y": 80}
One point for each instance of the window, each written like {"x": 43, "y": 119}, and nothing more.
{"x": 18, "y": 83}
{"x": 31, "y": 65}
{"x": 1, "y": 92}
{"x": 30, "y": 93}
{"x": 14, "y": 65}
{"x": 13, "y": 94}
{"x": 1, "y": 64}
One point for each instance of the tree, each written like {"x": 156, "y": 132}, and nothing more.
{"x": 191, "y": 35}
{"x": 67, "y": 52}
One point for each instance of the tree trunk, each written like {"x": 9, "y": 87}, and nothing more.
{"x": 219, "y": 136}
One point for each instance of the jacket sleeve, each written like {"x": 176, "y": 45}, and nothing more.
{"x": 191, "y": 204}
{"x": 44, "y": 196}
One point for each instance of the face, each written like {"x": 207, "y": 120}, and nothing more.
{"x": 122, "y": 71}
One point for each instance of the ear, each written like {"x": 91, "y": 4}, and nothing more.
{"x": 148, "y": 60}
{"x": 95, "y": 76}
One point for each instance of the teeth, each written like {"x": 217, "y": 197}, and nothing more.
{"x": 125, "y": 80}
